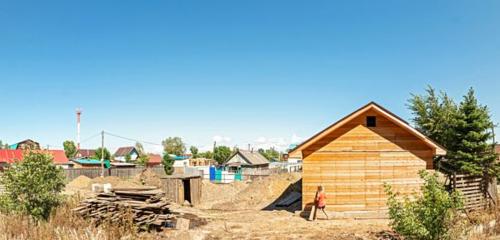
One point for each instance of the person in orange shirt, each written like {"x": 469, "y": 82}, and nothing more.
{"x": 321, "y": 200}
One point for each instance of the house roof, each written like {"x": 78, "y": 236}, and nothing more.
{"x": 86, "y": 153}
{"x": 252, "y": 157}
{"x": 82, "y": 161}
{"x": 16, "y": 145}
{"x": 439, "y": 150}
{"x": 124, "y": 151}
{"x": 11, "y": 156}
{"x": 154, "y": 158}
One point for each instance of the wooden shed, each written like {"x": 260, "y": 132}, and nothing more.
{"x": 355, "y": 156}
{"x": 183, "y": 187}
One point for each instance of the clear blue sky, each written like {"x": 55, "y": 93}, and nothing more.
{"x": 259, "y": 72}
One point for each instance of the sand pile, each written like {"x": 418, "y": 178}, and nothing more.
{"x": 213, "y": 193}
{"x": 115, "y": 182}
{"x": 259, "y": 194}
{"x": 81, "y": 182}
{"x": 148, "y": 177}
{"x": 85, "y": 183}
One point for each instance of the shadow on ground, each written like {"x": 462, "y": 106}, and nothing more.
{"x": 296, "y": 206}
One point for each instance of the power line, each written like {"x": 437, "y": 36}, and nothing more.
{"x": 131, "y": 139}
{"x": 91, "y": 137}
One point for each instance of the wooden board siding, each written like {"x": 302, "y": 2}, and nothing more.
{"x": 174, "y": 189}
{"x": 355, "y": 161}
{"x": 195, "y": 185}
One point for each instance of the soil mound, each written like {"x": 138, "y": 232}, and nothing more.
{"x": 214, "y": 193}
{"x": 148, "y": 177}
{"x": 81, "y": 182}
{"x": 260, "y": 193}
{"x": 115, "y": 182}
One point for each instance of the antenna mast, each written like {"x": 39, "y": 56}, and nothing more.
{"x": 78, "y": 114}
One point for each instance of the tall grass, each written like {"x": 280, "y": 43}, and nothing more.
{"x": 65, "y": 225}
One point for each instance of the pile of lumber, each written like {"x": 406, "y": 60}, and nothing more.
{"x": 145, "y": 206}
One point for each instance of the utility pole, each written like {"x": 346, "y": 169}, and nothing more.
{"x": 102, "y": 153}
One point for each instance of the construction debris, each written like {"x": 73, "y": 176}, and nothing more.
{"x": 144, "y": 206}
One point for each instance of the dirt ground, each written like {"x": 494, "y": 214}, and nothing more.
{"x": 246, "y": 210}
{"x": 262, "y": 224}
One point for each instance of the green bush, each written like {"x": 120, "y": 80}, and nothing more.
{"x": 168, "y": 164}
{"x": 32, "y": 186}
{"x": 429, "y": 215}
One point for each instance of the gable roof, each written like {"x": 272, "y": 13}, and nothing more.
{"x": 86, "y": 153}
{"x": 10, "y": 156}
{"x": 438, "y": 149}
{"x": 26, "y": 141}
{"x": 123, "y": 151}
{"x": 252, "y": 157}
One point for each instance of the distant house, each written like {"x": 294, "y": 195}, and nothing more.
{"x": 9, "y": 156}
{"x": 90, "y": 163}
{"x": 25, "y": 145}
{"x": 154, "y": 160}
{"x": 180, "y": 161}
{"x": 247, "y": 159}
{"x": 197, "y": 162}
{"x": 85, "y": 153}
{"x": 121, "y": 154}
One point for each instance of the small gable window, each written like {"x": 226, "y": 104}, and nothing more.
{"x": 371, "y": 121}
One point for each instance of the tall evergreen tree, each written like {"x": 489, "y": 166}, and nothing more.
{"x": 434, "y": 116}
{"x": 472, "y": 152}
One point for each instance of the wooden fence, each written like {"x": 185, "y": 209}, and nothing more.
{"x": 475, "y": 191}
{"x": 125, "y": 173}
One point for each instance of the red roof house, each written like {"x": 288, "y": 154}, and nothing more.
{"x": 154, "y": 159}
{"x": 8, "y": 156}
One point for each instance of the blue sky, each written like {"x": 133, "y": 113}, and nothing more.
{"x": 258, "y": 72}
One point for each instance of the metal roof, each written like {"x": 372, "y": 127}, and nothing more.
{"x": 107, "y": 163}
{"x": 11, "y": 156}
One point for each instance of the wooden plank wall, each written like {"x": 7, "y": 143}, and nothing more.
{"x": 195, "y": 186}
{"x": 73, "y": 173}
{"x": 355, "y": 161}
{"x": 174, "y": 190}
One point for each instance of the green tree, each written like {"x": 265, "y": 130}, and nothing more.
{"x": 221, "y": 154}
{"x": 464, "y": 130}
{"x": 269, "y": 154}
{"x": 168, "y": 164}
{"x": 69, "y": 149}
{"x": 143, "y": 160}
{"x": 174, "y": 145}
{"x": 194, "y": 151}
{"x": 4, "y": 145}
{"x": 98, "y": 153}
{"x": 128, "y": 158}
{"x": 139, "y": 148}
{"x": 472, "y": 152}
{"x": 429, "y": 215}
{"x": 434, "y": 115}
{"x": 207, "y": 155}
{"x": 33, "y": 186}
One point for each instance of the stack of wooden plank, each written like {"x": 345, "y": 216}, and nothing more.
{"x": 145, "y": 206}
